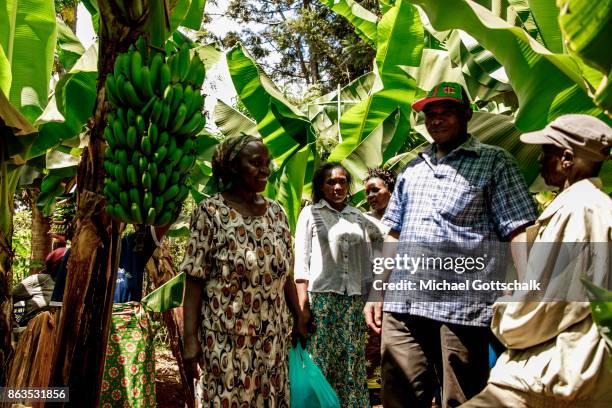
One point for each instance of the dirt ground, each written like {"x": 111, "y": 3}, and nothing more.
{"x": 168, "y": 384}
{"x": 167, "y": 381}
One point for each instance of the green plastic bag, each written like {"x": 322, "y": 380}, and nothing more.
{"x": 309, "y": 388}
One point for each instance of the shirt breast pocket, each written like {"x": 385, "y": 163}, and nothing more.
{"x": 464, "y": 204}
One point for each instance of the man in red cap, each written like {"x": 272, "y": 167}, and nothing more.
{"x": 556, "y": 355}
{"x": 457, "y": 193}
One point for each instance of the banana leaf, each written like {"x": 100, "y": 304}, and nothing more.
{"x": 17, "y": 132}
{"x": 369, "y": 153}
{"x": 27, "y": 38}
{"x": 287, "y": 190}
{"x": 231, "y": 122}
{"x": 52, "y": 186}
{"x": 547, "y": 85}
{"x": 283, "y": 127}
{"x": 187, "y": 13}
{"x": 587, "y": 29}
{"x": 363, "y": 20}
{"x": 546, "y": 14}
{"x": 323, "y": 111}
{"x": 400, "y": 42}
{"x": 167, "y": 296}
{"x": 71, "y": 105}
{"x": 69, "y": 48}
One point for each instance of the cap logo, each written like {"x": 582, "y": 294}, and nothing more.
{"x": 448, "y": 89}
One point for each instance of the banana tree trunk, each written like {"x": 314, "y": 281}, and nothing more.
{"x": 92, "y": 267}
{"x": 41, "y": 241}
{"x": 9, "y": 177}
{"x": 6, "y": 307}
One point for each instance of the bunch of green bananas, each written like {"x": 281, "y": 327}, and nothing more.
{"x": 63, "y": 215}
{"x": 156, "y": 114}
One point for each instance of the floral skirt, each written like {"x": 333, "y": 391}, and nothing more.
{"x": 338, "y": 345}
{"x": 129, "y": 369}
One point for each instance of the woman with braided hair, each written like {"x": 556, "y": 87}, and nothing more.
{"x": 238, "y": 295}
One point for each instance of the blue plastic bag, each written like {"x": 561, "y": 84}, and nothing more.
{"x": 309, "y": 388}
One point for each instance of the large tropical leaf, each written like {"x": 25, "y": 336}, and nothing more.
{"x": 167, "y": 296}
{"x": 369, "y": 153}
{"x": 287, "y": 191}
{"x": 53, "y": 185}
{"x": 69, "y": 48}
{"x": 400, "y": 42}
{"x": 17, "y": 132}
{"x": 283, "y": 127}
{"x": 363, "y": 20}
{"x": 587, "y": 29}
{"x": 546, "y": 14}
{"x": 27, "y": 38}
{"x": 325, "y": 111}
{"x": 71, "y": 106}
{"x": 547, "y": 85}
{"x": 232, "y": 122}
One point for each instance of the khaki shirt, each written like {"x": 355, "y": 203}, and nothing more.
{"x": 554, "y": 348}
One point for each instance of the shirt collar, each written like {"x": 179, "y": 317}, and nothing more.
{"x": 346, "y": 210}
{"x": 558, "y": 202}
{"x": 471, "y": 145}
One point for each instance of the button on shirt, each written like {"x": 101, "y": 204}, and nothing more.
{"x": 474, "y": 195}
{"x": 332, "y": 250}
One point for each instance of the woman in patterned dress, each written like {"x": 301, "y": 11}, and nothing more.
{"x": 332, "y": 271}
{"x": 237, "y": 291}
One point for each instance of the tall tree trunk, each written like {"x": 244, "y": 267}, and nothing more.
{"x": 6, "y": 307}
{"x": 41, "y": 241}
{"x": 9, "y": 177}
{"x": 92, "y": 267}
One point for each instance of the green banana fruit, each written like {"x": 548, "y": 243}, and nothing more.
{"x": 121, "y": 214}
{"x": 179, "y": 118}
{"x": 151, "y": 214}
{"x": 135, "y": 196}
{"x": 147, "y": 200}
{"x": 147, "y": 88}
{"x": 131, "y": 175}
{"x": 136, "y": 214}
{"x": 133, "y": 99}
{"x": 161, "y": 182}
{"x": 164, "y": 77}
{"x": 131, "y": 137}
{"x": 152, "y": 133}
{"x": 145, "y": 145}
{"x": 183, "y": 63}
{"x": 164, "y": 218}
{"x": 146, "y": 181}
{"x": 140, "y": 124}
{"x": 153, "y": 170}
{"x": 155, "y": 67}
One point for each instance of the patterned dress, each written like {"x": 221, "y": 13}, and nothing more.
{"x": 245, "y": 323}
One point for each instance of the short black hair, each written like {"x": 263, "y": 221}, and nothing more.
{"x": 319, "y": 179}
{"x": 385, "y": 175}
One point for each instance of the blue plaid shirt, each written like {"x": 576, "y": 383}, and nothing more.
{"x": 473, "y": 195}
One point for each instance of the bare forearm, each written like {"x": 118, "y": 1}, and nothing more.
{"x": 291, "y": 297}
{"x": 302, "y": 293}
{"x": 191, "y": 306}
{"x": 518, "y": 248}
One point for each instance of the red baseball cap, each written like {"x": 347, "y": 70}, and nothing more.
{"x": 444, "y": 91}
